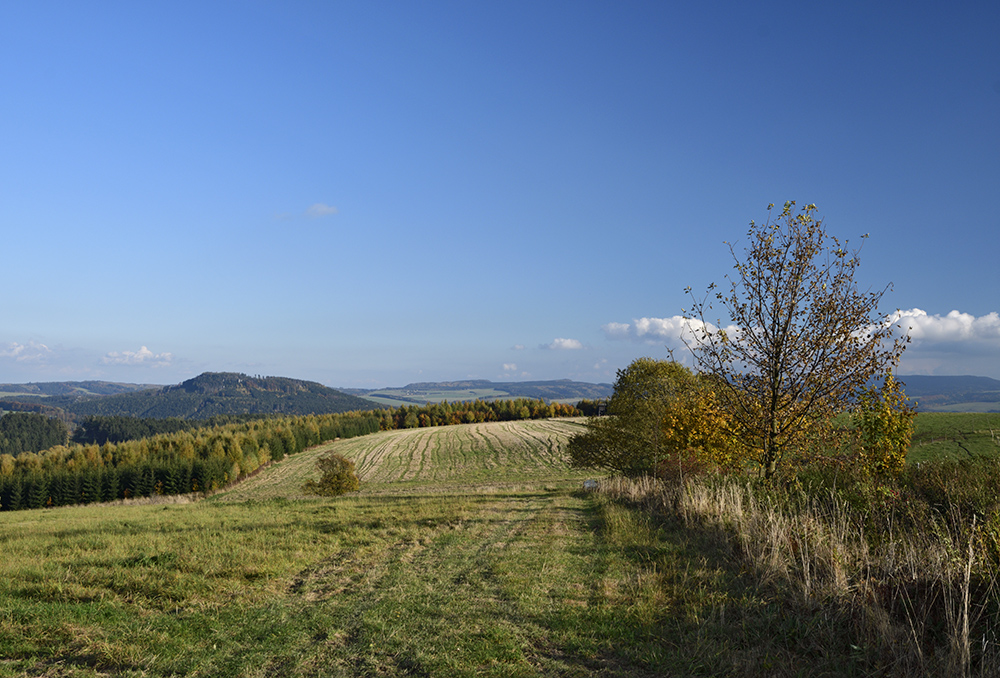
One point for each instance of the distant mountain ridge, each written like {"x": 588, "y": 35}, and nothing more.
{"x": 72, "y": 388}
{"x": 930, "y": 393}
{"x": 207, "y": 395}
{"x": 952, "y": 393}
{"x": 562, "y": 390}
{"x": 222, "y": 393}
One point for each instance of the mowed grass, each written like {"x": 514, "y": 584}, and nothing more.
{"x": 953, "y": 435}
{"x": 483, "y": 457}
{"x": 500, "y": 566}
{"x": 469, "y": 551}
{"x": 397, "y": 397}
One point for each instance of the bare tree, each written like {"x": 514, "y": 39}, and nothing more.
{"x": 803, "y": 339}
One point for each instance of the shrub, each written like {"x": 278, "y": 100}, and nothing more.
{"x": 660, "y": 409}
{"x": 337, "y": 476}
{"x": 884, "y": 421}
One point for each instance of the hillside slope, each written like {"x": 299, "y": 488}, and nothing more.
{"x": 71, "y": 388}
{"x": 420, "y": 393}
{"x": 224, "y": 393}
{"x": 490, "y": 456}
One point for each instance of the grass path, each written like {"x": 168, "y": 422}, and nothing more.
{"x": 503, "y": 584}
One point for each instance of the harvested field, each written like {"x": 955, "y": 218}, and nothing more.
{"x": 471, "y": 457}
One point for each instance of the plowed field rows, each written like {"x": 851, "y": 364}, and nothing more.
{"x": 478, "y": 457}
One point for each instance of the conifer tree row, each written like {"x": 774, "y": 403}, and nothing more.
{"x": 205, "y": 459}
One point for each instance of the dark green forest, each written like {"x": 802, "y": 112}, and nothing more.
{"x": 30, "y": 432}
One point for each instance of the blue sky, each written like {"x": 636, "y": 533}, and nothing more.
{"x": 374, "y": 193}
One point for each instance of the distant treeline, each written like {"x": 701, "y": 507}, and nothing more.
{"x": 211, "y": 457}
{"x": 591, "y": 408}
{"x": 116, "y": 429}
{"x": 469, "y": 412}
{"x": 22, "y": 432}
{"x": 30, "y": 432}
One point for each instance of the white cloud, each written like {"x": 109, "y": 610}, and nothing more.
{"x": 955, "y": 343}
{"x": 509, "y": 367}
{"x": 955, "y": 327}
{"x": 141, "y": 357}
{"x": 518, "y": 347}
{"x": 25, "y": 353}
{"x": 617, "y": 330}
{"x": 561, "y": 344}
{"x": 320, "y": 210}
{"x": 673, "y": 331}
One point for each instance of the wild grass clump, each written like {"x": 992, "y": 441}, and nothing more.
{"x": 909, "y": 563}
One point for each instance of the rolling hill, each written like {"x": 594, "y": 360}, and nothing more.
{"x": 222, "y": 393}
{"x": 953, "y": 394}
{"x": 560, "y": 390}
{"x": 204, "y": 396}
{"x": 70, "y": 388}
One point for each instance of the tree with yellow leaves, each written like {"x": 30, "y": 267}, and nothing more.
{"x": 804, "y": 340}
{"x": 659, "y": 409}
{"x": 883, "y": 419}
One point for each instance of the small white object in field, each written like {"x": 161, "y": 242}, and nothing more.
{"x": 589, "y": 485}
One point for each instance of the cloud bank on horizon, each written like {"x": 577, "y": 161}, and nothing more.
{"x": 141, "y": 357}
{"x": 951, "y": 344}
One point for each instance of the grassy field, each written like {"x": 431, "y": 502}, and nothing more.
{"x": 469, "y": 551}
{"x": 493, "y": 456}
{"x": 398, "y": 396}
{"x": 953, "y": 435}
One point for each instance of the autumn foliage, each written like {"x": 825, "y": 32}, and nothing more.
{"x": 661, "y": 412}
{"x": 803, "y": 341}
{"x": 883, "y": 420}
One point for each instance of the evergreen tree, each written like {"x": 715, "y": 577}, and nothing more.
{"x": 37, "y": 490}
{"x": 13, "y": 498}
{"x": 91, "y": 487}
{"x": 110, "y": 487}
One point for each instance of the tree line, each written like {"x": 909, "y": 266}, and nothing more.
{"x": 96, "y": 429}
{"x": 211, "y": 457}
{"x": 474, "y": 411}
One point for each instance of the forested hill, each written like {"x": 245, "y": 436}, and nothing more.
{"x": 223, "y": 393}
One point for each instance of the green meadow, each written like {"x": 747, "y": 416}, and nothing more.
{"x": 395, "y": 397}
{"x": 470, "y": 550}
{"x": 954, "y": 435}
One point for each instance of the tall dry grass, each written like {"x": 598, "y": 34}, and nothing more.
{"x": 922, "y": 593}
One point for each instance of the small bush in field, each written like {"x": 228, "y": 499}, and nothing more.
{"x": 337, "y": 476}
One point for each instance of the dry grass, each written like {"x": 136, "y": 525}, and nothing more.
{"x": 927, "y": 602}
